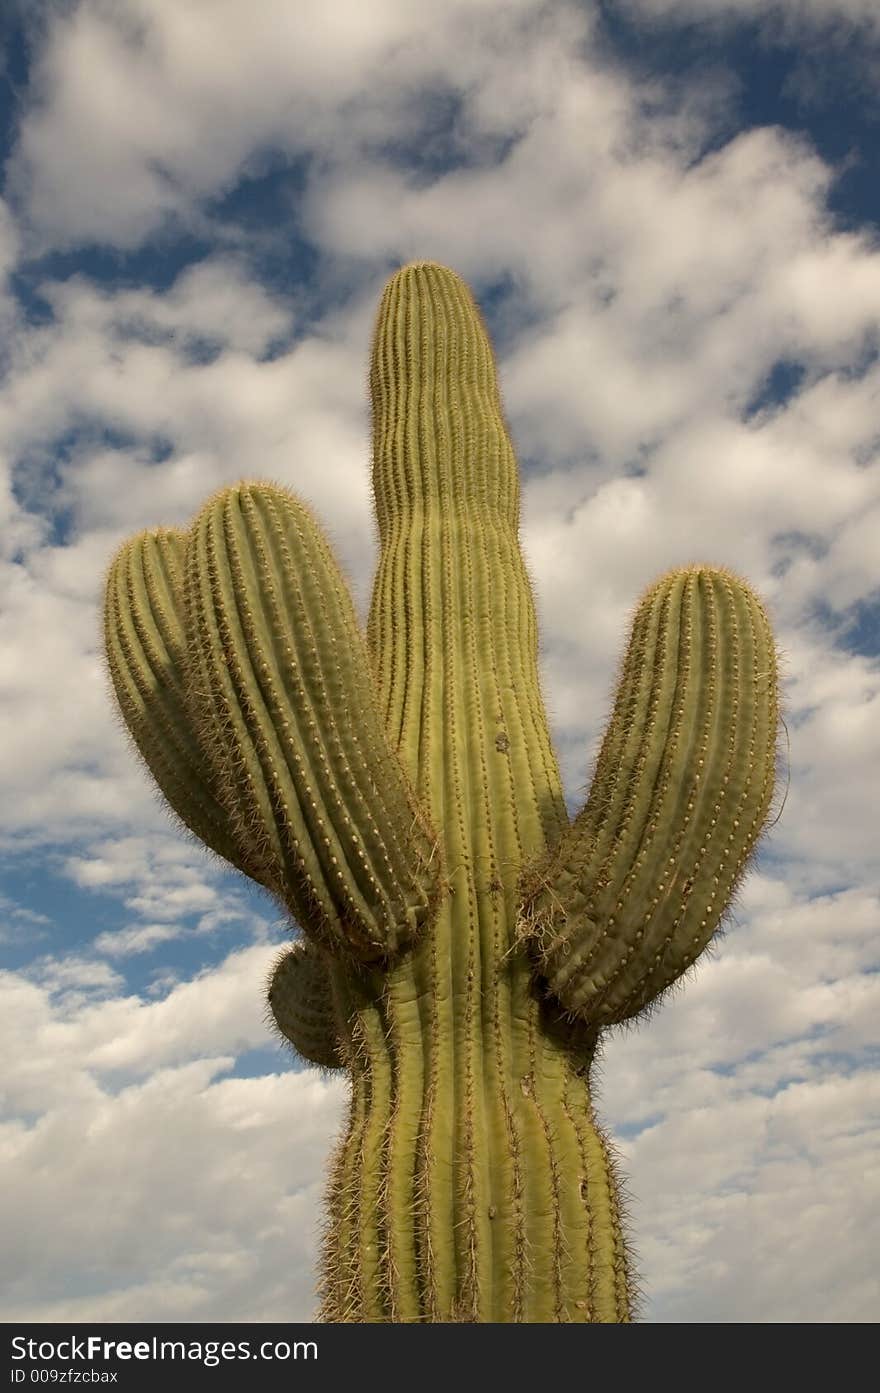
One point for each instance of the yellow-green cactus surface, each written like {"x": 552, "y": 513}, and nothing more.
{"x": 464, "y": 944}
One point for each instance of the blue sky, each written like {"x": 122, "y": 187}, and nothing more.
{"x": 668, "y": 211}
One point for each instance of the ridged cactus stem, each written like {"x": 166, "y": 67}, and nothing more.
{"x": 464, "y": 945}
{"x": 480, "y": 1122}
{"x": 518, "y": 1222}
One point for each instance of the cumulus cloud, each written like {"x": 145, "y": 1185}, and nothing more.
{"x": 220, "y": 1010}
{"x": 747, "y": 1122}
{"x": 120, "y": 364}
{"x": 761, "y": 1195}
{"x": 158, "y": 106}
{"x": 182, "y": 1194}
{"x": 142, "y": 1184}
{"x": 212, "y": 304}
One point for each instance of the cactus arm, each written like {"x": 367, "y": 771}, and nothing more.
{"x": 301, "y": 1001}
{"x": 264, "y": 734}
{"x": 636, "y": 887}
{"x": 452, "y": 627}
{"x": 282, "y": 698}
{"x": 453, "y": 637}
{"x": 145, "y": 654}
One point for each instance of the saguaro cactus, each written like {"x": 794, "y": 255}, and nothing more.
{"x": 464, "y": 945}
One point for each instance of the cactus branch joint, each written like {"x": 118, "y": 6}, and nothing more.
{"x": 463, "y": 944}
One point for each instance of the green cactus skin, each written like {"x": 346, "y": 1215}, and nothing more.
{"x": 466, "y": 943}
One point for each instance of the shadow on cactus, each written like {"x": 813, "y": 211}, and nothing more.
{"x": 464, "y": 944}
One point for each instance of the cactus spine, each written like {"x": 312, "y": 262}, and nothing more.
{"x": 465, "y": 944}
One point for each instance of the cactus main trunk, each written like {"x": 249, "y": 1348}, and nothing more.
{"x": 472, "y": 1183}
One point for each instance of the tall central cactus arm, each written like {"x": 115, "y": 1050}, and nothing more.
{"x": 635, "y": 888}
{"x": 241, "y": 672}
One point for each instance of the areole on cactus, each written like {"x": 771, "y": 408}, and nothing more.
{"x": 464, "y": 944}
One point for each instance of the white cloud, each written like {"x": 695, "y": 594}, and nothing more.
{"x": 213, "y": 300}
{"x": 18, "y": 922}
{"x": 218, "y": 1011}
{"x": 138, "y": 1183}
{"x": 762, "y": 1195}
{"x": 182, "y": 1197}
{"x": 141, "y": 938}
{"x": 754, "y": 1121}
{"x": 156, "y": 106}
{"x": 94, "y": 369}
{"x": 172, "y": 904}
